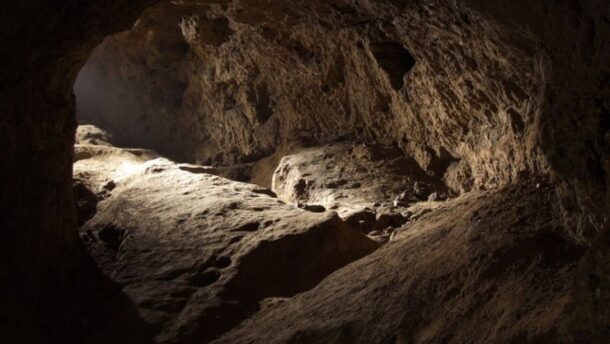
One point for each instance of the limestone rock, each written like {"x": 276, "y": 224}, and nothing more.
{"x": 348, "y": 177}
{"x": 88, "y": 134}
{"x": 345, "y": 176}
{"x": 459, "y": 276}
{"x": 501, "y": 92}
{"x": 196, "y": 253}
{"x": 100, "y": 168}
{"x": 86, "y": 202}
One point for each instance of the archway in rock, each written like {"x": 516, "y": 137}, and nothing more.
{"x": 498, "y": 100}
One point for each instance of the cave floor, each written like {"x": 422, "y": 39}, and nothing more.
{"x": 342, "y": 232}
{"x": 196, "y": 251}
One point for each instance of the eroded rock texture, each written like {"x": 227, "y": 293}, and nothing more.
{"x": 224, "y": 83}
{"x": 195, "y": 252}
{"x": 503, "y": 102}
{"x": 342, "y": 175}
{"x": 471, "y": 97}
{"x": 373, "y": 188}
{"x": 477, "y": 270}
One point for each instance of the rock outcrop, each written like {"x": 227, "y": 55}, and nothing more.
{"x": 344, "y": 175}
{"x": 197, "y": 253}
{"x": 220, "y": 83}
{"x": 372, "y": 187}
{"x": 467, "y": 93}
{"x": 493, "y": 266}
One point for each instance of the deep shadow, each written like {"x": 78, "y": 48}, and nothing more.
{"x": 395, "y": 60}
{"x": 104, "y": 314}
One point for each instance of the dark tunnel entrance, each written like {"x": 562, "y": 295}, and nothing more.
{"x": 132, "y": 88}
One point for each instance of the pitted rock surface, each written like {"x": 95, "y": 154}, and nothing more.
{"x": 196, "y": 253}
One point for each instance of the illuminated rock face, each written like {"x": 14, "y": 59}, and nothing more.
{"x": 459, "y": 274}
{"x": 464, "y": 94}
{"x": 195, "y": 252}
{"x": 502, "y": 95}
{"x": 221, "y": 84}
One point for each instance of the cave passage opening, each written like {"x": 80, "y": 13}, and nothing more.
{"x": 202, "y": 89}
{"x": 137, "y": 103}
{"x": 128, "y": 97}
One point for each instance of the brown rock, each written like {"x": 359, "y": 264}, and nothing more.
{"x": 460, "y": 276}
{"x": 348, "y": 176}
{"x": 86, "y": 202}
{"x": 501, "y": 92}
{"x": 196, "y": 253}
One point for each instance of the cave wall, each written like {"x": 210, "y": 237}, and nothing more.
{"x": 229, "y": 84}
{"x": 44, "y": 44}
{"x": 573, "y": 129}
{"x": 499, "y": 89}
{"x": 135, "y": 87}
{"x": 471, "y": 93}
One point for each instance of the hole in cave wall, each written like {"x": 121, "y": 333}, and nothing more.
{"x": 134, "y": 92}
{"x": 133, "y": 84}
{"x": 395, "y": 60}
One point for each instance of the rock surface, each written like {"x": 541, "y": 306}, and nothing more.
{"x": 45, "y": 277}
{"x": 371, "y": 187}
{"x": 195, "y": 252}
{"x": 501, "y": 91}
{"x": 480, "y": 269}
{"x": 345, "y": 175}
{"x": 88, "y": 134}
{"x": 221, "y": 82}
{"x": 468, "y": 93}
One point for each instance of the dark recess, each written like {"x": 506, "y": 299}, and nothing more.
{"x": 395, "y": 60}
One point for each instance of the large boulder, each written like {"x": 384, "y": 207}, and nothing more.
{"x": 494, "y": 266}
{"x": 344, "y": 175}
{"x": 197, "y": 253}
{"x": 374, "y": 188}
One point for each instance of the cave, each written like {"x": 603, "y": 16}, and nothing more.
{"x": 248, "y": 171}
